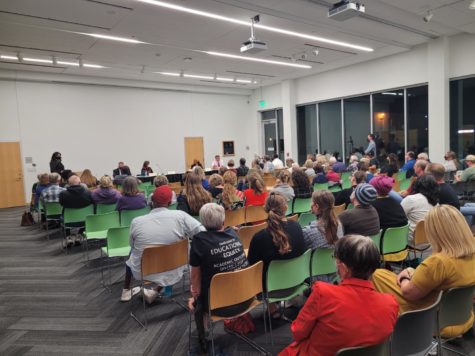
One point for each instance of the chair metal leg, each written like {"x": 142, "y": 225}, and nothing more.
{"x": 270, "y": 324}
{"x": 143, "y": 325}
{"x": 210, "y": 328}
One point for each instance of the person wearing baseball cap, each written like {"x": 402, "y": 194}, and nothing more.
{"x": 160, "y": 227}
{"x": 469, "y": 173}
{"x": 363, "y": 219}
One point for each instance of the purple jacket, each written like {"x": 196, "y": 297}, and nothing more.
{"x": 127, "y": 202}
{"x": 105, "y": 196}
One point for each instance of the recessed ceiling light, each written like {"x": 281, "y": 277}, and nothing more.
{"x": 38, "y": 60}
{"x": 112, "y": 38}
{"x": 246, "y": 23}
{"x": 245, "y": 81}
{"x": 198, "y": 76}
{"x": 95, "y": 66}
{"x": 253, "y": 59}
{"x": 223, "y": 79}
{"x": 11, "y": 58}
{"x": 169, "y": 73}
{"x": 65, "y": 63}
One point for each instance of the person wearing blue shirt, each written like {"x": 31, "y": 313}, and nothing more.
{"x": 371, "y": 149}
{"x": 410, "y": 161}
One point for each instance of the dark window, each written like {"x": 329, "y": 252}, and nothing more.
{"x": 329, "y": 115}
{"x": 417, "y": 119}
{"x": 306, "y": 131}
{"x": 462, "y": 116}
{"x": 357, "y": 123}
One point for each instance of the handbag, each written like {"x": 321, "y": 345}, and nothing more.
{"x": 27, "y": 219}
{"x": 241, "y": 325}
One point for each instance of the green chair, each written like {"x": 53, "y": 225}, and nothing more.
{"x": 126, "y": 216}
{"x": 377, "y": 240}
{"x": 350, "y": 206}
{"x": 289, "y": 207}
{"x": 105, "y": 208}
{"x": 320, "y": 186}
{"x": 172, "y": 206}
{"x": 401, "y": 176}
{"x": 52, "y": 212}
{"x": 143, "y": 186}
{"x": 76, "y": 217}
{"x": 118, "y": 245}
{"x": 394, "y": 240}
{"x": 335, "y": 188}
{"x": 322, "y": 262}
{"x": 301, "y": 205}
{"x": 404, "y": 184}
{"x": 98, "y": 225}
{"x": 345, "y": 176}
{"x": 346, "y": 182}
{"x": 285, "y": 280}
{"x": 149, "y": 190}
{"x": 306, "y": 218}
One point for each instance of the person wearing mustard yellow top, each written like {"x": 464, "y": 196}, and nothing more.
{"x": 452, "y": 264}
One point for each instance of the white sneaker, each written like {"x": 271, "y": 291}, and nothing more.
{"x": 150, "y": 295}
{"x": 69, "y": 241}
{"x": 127, "y": 294}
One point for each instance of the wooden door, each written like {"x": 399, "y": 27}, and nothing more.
{"x": 194, "y": 150}
{"x": 12, "y": 192}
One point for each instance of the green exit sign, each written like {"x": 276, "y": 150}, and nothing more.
{"x": 262, "y": 103}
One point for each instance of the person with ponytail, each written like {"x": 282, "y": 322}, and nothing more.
{"x": 283, "y": 187}
{"x": 194, "y": 195}
{"x": 281, "y": 240}
{"x": 256, "y": 194}
{"x": 326, "y": 230}
{"x": 231, "y": 198}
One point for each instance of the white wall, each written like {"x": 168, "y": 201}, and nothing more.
{"x": 96, "y": 126}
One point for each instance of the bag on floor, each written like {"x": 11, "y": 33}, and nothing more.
{"x": 242, "y": 325}
{"x": 27, "y": 219}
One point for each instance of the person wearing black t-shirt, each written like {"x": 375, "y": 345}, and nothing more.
{"x": 213, "y": 251}
{"x": 281, "y": 240}
{"x": 447, "y": 194}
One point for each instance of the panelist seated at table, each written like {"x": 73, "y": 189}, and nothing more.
{"x": 121, "y": 170}
{"x": 146, "y": 169}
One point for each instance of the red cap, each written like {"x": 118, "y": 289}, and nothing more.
{"x": 162, "y": 196}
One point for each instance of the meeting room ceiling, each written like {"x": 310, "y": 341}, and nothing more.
{"x": 57, "y": 32}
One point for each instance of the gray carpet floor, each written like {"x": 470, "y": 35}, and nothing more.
{"x": 52, "y": 303}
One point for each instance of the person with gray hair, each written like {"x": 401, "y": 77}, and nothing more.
{"x": 216, "y": 250}
{"x": 51, "y": 194}
{"x": 158, "y": 181}
{"x": 337, "y": 316}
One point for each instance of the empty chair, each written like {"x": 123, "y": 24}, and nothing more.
{"x": 126, "y": 216}
{"x": 234, "y": 217}
{"x": 255, "y": 213}
{"x": 117, "y": 246}
{"x": 246, "y": 233}
{"x": 306, "y": 218}
{"x": 394, "y": 244}
{"x": 420, "y": 243}
{"x": 98, "y": 225}
{"x": 301, "y": 205}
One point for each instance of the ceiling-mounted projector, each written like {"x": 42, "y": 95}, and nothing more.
{"x": 253, "y": 45}
{"x": 345, "y": 10}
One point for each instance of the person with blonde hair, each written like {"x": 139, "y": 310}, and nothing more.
{"x": 194, "y": 195}
{"x": 256, "y": 194}
{"x": 452, "y": 264}
{"x": 282, "y": 185}
{"x": 215, "y": 185}
{"x": 231, "y": 198}
{"x": 105, "y": 193}
{"x": 131, "y": 198}
{"x": 201, "y": 173}
{"x": 309, "y": 171}
{"x": 88, "y": 179}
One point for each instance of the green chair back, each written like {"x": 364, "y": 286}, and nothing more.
{"x": 172, "y": 206}
{"x": 404, "y": 184}
{"x": 78, "y": 215}
{"x": 320, "y": 186}
{"x": 346, "y": 182}
{"x": 289, "y": 207}
{"x": 102, "y": 222}
{"x": 126, "y": 216}
{"x": 394, "y": 239}
{"x": 301, "y": 205}
{"x": 335, "y": 188}
{"x": 345, "y": 176}
{"x": 401, "y": 176}
{"x": 322, "y": 262}
{"x": 456, "y": 306}
{"x": 306, "y": 218}
{"x": 40, "y": 205}
{"x": 105, "y": 208}
{"x": 118, "y": 237}
{"x": 377, "y": 239}
{"x": 52, "y": 209}
{"x": 149, "y": 190}
{"x": 288, "y": 274}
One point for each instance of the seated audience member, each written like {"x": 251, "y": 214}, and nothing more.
{"x": 281, "y": 240}
{"x": 282, "y": 185}
{"x": 160, "y": 227}
{"x": 353, "y": 166}
{"x": 105, "y": 193}
{"x": 320, "y": 176}
{"x": 121, "y": 170}
{"x": 295, "y": 167}
{"x": 451, "y": 163}
{"x": 222, "y": 170}
{"x": 469, "y": 173}
{"x": 201, "y": 174}
{"x": 393, "y": 165}
{"x": 332, "y": 177}
{"x": 242, "y": 170}
{"x": 206, "y": 262}
{"x": 344, "y": 196}
{"x": 194, "y": 196}
{"x": 88, "y": 179}
{"x": 218, "y": 162}
{"x": 327, "y": 229}
{"x": 158, "y": 181}
{"x": 363, "y": 165}
{"x": 215, "y": 186}
{"x": 231, "y": 198}
{"x": 65, "y": 175}
{"x": 131, "y": 198}
{"x": 408, "y": 167}
{"x": 289, "y": 163}
{"x": 337, "y": 316}
{"x": 75, "y": 196}
{"x": 51, "y": 194}
{"x": 256, "y": 194}
{"x": 146, "y": 169}
{"x": 277, "y": 162}
{"x": 419, "y": 170}
{"x": 363, "y": 219}
{"x": 337, "y": 166}
{"x": 255, "y": 164}
{"x": 231, "y": 166}
{"x": 309, "y": 171}
{"x": 43, "y": 183}
{"x": 390, "y": 212}
{"x": 268, "y": 166}
{"x": 196, "y": 163}
{"x": 301, "y": 185}
{"x": 55, "y": 165}
{"x": 447, "y": 194}
{"x": 424, "y": 156}
{"x": 450, "y": 265}
{"x": 424, "y": 197}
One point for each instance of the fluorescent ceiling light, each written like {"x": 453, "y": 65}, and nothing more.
{"x": 95, "y": 66}
{"x": 38, "y": 60}
{"x": 466, "y": 131}
{"x": 247, "y": 81}
{"x": 112, "y": 38}
{"x": 64, "y": 63}
{"x": 253, "y": 59}
{"x": 257, "y": 25}
{"x": 12, "y": 58}
{"x": 169, "y": 73}
{"x": 225, "y": 79}
{"x": 198, "y": 76}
